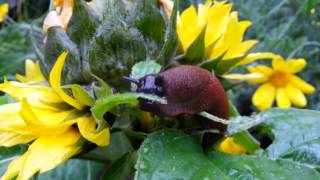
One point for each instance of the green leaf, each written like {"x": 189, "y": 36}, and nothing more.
{"x": 149, "y": 20}
{"x": 122, "y": 168}
{"x": 143, "y": 68}
{"x": 171, "y": 39}
{"x": 4, "y": 100}
{"x": 196, "y": 51}
{"x": 117, "y": 46}
{"x": 224, "y": 65}
{"x": 251, "y": 167}
{"x": 296, "y": 134}
{"x": 233, "y": 112}
{"x": 8, "y": 154}
{"x": 103, "y": 90}
{"x": 104, "y": 105}
{"x": 119, "y": 146}
{"x": 81, "y": 29}
{"x": 73, "y": 170}
{"x": 171, "y": 154}
{"x": 80, "y": 94}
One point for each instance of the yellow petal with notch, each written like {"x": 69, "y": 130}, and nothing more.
{"x": 87, "y": 127}
{"x": 33, "y": 73}
{"x": 55, "y": 82}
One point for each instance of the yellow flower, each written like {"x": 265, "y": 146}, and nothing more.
{"x": 223, "y": 31}
{"x": 54, "y": 123}
{"x": 229, "y": 146}
{"x": 279, "y": 83}
{"x": 60, "y": 16}
{"x": 4, "y": 9}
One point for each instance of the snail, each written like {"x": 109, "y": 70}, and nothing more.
{"x": 188, "y": 90}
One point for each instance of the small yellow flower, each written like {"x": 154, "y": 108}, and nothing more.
{"x": 279, "y": 83}
{"x": 229, "y": 146}
{"x": 54, "y": 123}
{"x": 60, "y": 16}
{"x": 223, "y": 31}
{"x": 4, "y": 9}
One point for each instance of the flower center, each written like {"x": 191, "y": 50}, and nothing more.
{"x": 279, "y": 78}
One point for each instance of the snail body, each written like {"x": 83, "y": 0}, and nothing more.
{"x": 188, "y": 90}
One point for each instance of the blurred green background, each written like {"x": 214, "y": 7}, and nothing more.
{"x": 287, "y": 27}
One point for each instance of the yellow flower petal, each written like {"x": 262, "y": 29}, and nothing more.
{"x": 260, "y": 69}
{"x": 10, "y": 119}
{"x": 282, "y": 98}
{"x": 45, "y": 126}
{"x": 239, "y": 50}
{"x": 278, "y": 63}
{"x": 4, "y": 9}
{"x": 187, "y": 27}
{"x": 13, "y": 168}
{"x": 34, "y": 93}
{"x": 47, "y": 152}
{"x": 66, "y": 12}
{"x": 264, "y": 96}
{"x": 58, "y": 3}
{"x": 229, "y": 146}
{"x": 252, "y": 77}
{"x": 9, "y": 139}
{"x": 87, "y": 127}
{"x": 296, "y": 65}
{"x": 296, "y": 96}
{"x": 255, "y": 56}
{"x": 302, "y": 85}
{"x": 33, "y": 73}
{"x": 55, "y": 82}
{"x": 52, "y": 20}
{"x": 218, "y": 17}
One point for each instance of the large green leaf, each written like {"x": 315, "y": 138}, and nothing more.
{"x": 74, "y": 169}
{"x": 119, "y": 146}
{"x": 121, "y": 169}
{"x": 171, "y": 154}
{"x": 296, "y": 134}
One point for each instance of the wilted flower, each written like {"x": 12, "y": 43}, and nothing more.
{"x": 56, "y": 124}
{"x": 229, "y": 146}
{"x": 278, "y": 83}
{"x": 4, "y": 9}
{"x": 223, "y": 31}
